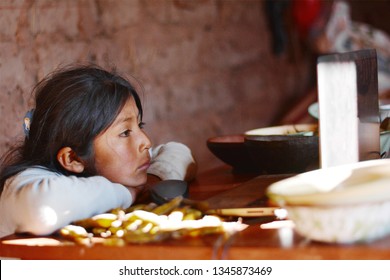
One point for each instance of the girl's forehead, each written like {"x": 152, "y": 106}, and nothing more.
{"x": 129, "y": 111}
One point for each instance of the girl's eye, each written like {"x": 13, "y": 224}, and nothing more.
{"x": 126, "y": 133}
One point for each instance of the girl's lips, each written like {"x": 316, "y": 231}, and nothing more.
{"x": 144, "y": 166}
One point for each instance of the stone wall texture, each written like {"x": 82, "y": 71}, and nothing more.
{"x": 205, "y": 67}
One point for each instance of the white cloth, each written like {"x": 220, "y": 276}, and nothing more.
{"x": 173, "y": 161}
{"x": 39, "y": 201}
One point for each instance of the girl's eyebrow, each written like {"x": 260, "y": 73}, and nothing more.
{"x": 123, "y": 120}
{"x": 126, "y": 119}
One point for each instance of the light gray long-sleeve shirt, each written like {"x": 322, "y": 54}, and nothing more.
{"x": 39, "y": 201}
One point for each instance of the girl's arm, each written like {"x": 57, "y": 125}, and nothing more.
{"x": 40, "y": 202}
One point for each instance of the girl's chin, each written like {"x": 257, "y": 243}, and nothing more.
{"x": 139, "y": 181}
{"x": 133, "y": 180}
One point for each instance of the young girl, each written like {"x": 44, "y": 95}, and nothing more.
{"x": 84, "y": 153}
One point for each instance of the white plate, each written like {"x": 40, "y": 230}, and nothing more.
{"x": 313, "y": 110}
{"x": 362, "y": 182}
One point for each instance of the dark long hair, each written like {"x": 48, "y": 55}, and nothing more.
{"x": 73, "y": 106}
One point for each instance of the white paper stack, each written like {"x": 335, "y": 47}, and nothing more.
{"x": 348, "y": 107}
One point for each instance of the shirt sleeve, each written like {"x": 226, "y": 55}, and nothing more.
{"x": 40, "y": 202}
{"x": 173, "y": 160}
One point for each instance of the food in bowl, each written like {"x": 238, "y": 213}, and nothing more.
{"x": 290, "y": 129}
{"x": 342, "y": 204}
{"x": 284, "y": 149}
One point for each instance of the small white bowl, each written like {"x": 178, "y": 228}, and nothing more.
{"x": 342, "y": 204}
{"x": 384, "y": 112}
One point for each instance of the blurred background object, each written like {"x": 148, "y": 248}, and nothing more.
{"x": 342, "y": 34}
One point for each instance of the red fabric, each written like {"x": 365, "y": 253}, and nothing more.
{"x": 304, "y": 14}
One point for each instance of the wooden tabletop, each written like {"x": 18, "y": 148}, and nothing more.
{"x": 265, "y": 238}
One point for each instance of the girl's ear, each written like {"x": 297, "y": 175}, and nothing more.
{"x": 69, "y": 160}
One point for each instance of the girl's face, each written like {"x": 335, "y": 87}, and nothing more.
{"x": 122, "y": 151}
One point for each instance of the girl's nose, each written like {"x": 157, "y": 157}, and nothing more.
{"x": 146, "y": 144}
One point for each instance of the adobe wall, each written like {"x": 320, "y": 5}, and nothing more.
{"x": 206, "y": 67}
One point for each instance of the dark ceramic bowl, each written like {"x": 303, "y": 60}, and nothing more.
{"x": 284, "y": 149}
{"x": 231, "y": 149}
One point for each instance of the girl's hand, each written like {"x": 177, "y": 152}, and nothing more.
{"x": 173, "y": 161}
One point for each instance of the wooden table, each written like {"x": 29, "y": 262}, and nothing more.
{"x": 222, "y": 187}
